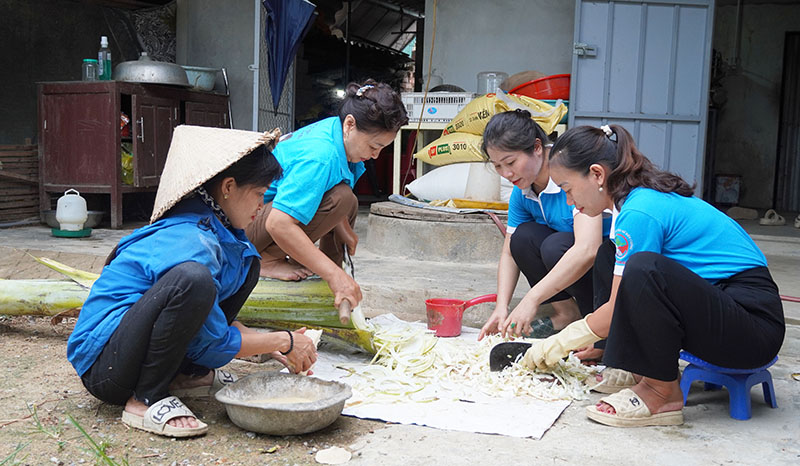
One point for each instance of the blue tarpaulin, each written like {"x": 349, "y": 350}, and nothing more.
{"x": 288, "y": 22}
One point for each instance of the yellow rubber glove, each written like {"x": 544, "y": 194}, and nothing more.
{"x": 546, "y": 353}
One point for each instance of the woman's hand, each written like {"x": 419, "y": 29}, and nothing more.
{"x": 589, "y": 354}
{"x": 303, "y": 354}
{"x": 344, "y": 287}
{"x": 519, "y": 321}
{"x": 492, "y": 325}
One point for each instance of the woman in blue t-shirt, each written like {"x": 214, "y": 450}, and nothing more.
{"x": 547, "y": 239}
{"x": 679, "y": 275}
{"x": 313, "y": 200}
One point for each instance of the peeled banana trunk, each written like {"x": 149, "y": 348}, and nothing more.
{"x": 272, "y": 304}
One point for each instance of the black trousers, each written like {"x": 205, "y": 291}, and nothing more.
{"x": 536, "y": 249}
{"x": 148, "y": 348}
{"x": 663, "y": 307}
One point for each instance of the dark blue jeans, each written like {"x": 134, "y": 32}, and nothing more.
{"x": 148, "y": 348}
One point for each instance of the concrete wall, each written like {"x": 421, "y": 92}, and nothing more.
{"x": 498, "y": 35}
{"x": 47, "y": 40}
{"x": 747, "y": 137}
{"x": 220, "y": 34}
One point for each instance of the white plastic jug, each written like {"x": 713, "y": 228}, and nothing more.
{"x": 71, "y": 211}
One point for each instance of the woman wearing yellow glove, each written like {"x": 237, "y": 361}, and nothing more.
{"x": 679, "y": 274}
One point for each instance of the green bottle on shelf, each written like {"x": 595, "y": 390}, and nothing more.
{"x": 104, "y": 60}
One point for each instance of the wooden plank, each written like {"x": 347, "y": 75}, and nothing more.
{"x": 19, "y": 203}
{"x": 28, "y": 154}
{"x": 16, "y": 198}
{"x": 14, "y": 176}
{"x": 31, "y": 147}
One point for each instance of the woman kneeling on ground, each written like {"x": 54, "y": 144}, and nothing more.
{"x": 679, "y": 274}
{"x": 160, "y": 319}
{"x": 314, "y": 199}
{"x": 550, "y": 241}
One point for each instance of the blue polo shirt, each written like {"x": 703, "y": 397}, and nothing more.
{"x": 686, "y": 229}
{"x": 549, "y": 208}
{"x": 313, "y": 161}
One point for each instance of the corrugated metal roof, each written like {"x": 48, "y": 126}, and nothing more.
{"x": 389, "y": 24}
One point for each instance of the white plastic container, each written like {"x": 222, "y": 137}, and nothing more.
{"x": 71, "y": 211}
{"x": 440, "y": 107}
{"x": 489, "y": 81}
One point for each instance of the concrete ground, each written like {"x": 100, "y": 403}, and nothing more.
{"x": 399, "y": 283}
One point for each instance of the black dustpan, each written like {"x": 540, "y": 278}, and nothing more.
{"x": 503, "y": 354}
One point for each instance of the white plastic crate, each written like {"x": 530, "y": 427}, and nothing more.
{"x": 440, "y": 107}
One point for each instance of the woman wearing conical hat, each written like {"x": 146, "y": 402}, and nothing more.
{"x": 314, "y": 200}
{"x": 160, "y": 319}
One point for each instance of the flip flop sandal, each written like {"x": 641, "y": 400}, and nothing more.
{"x": 542, "y": 328}
{"x": 772, "y": 218}
{"x": 159, "y": 413}
{"x": 631, "y": 412}
{"x": 614, "y": 380}
{"x": 221, "y": 379}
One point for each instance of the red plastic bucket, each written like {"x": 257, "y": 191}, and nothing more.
{"x": 444, "y": 315}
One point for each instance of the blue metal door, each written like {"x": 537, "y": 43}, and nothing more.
{"x": 645, "y": 65}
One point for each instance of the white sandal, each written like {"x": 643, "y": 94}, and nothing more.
{"x": 157, "y": 416}
{"x": 630, "y": 411}
{"x": 221, "y": 379}
{"x": 614, "y": 380}
{"x": 772, "y": 218}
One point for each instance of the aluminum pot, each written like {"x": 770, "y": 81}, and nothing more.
{"x": 147, "y": 70}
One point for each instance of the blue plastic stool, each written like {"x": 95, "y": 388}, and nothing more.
{"x": 737, "y": 381}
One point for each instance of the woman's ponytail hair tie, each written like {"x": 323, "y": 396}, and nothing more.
{"x": 609, "y": 132}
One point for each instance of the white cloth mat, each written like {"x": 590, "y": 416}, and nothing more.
{"x": 516, "y": 417}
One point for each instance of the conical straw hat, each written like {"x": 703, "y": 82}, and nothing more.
{"x": 197, "y": 154}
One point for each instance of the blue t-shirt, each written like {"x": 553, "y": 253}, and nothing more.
{"x": 688, "y": 230}
{"x": 313, "y": 161}
{"x": 548, "y": 208}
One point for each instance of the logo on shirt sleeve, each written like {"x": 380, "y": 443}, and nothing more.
{"x": 623, "y": 242}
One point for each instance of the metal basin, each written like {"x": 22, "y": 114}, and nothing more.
{"x": 253, "y": 403}
{"x": 201, "y": 78}
{"x": 147, "y": 70}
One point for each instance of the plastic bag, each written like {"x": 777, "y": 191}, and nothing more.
{"x": 452, "y": 148}
{"x": 476, "y": 115}
{"x": 126, "y": 154}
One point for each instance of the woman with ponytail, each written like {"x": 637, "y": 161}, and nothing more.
{"x": 679, "y": 274}
{"x": 552, "y": 243}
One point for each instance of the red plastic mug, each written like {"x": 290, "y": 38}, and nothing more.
{"x": 444, "y": 315}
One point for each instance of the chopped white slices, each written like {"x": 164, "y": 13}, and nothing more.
{"x": 412, "y": 364}
{"x": 358, "y": 319}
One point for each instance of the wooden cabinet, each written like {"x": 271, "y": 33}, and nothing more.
{"x": 80, "y": 135}
{"x": 205, "y": 114}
